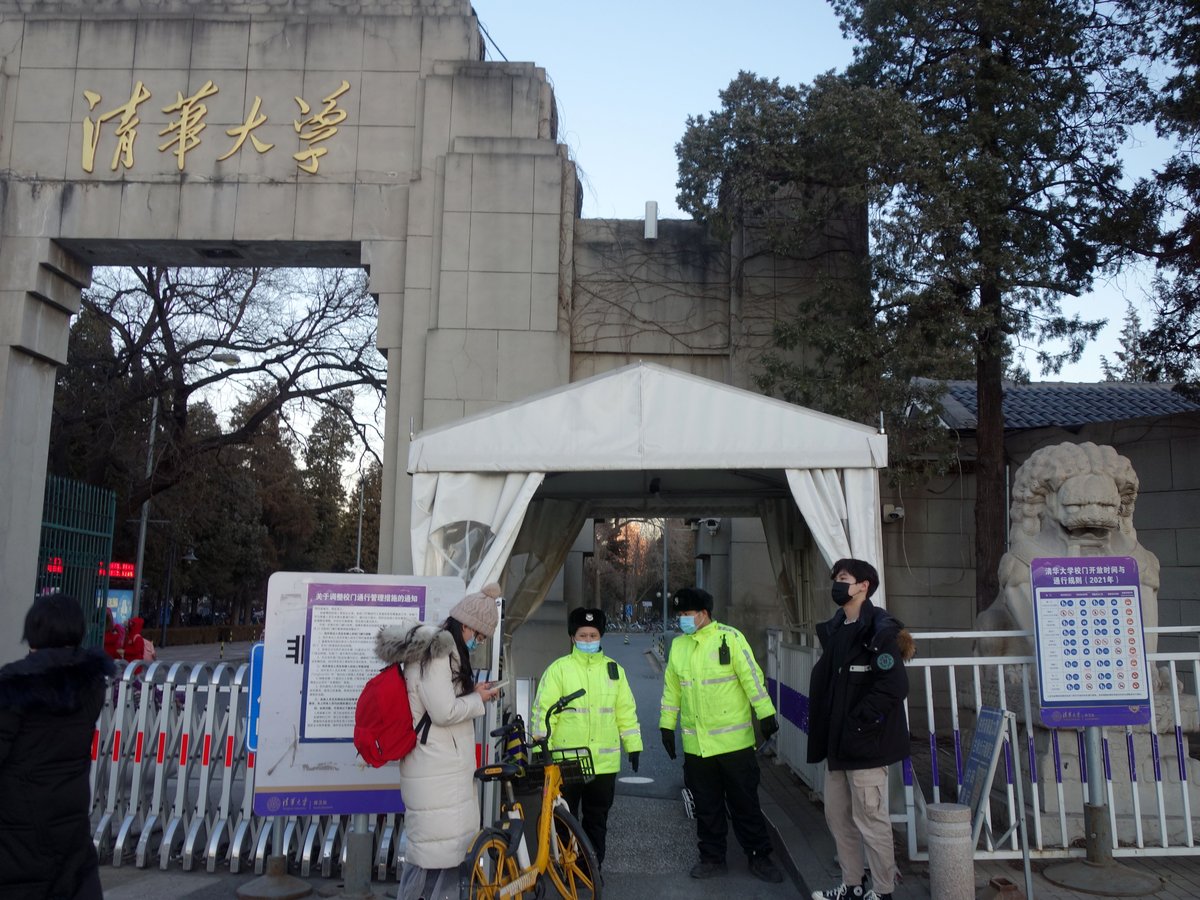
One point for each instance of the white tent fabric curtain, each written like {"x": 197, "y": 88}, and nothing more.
{"x": 485, "y": 528}
{"x": 841, "y": 507}
{"x": 779, "y": 521}
{"x": 545, "y": 538}
{"x": 465, "y": 523}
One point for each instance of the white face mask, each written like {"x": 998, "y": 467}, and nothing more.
{"x": 687, "y": 624}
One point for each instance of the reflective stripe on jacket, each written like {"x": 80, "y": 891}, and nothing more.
{"x": 713, "y": 699}
{"x": 604, "y": 719}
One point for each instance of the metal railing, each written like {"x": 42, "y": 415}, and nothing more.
{"x": 76, "y": 546}
{"x": 173, "y": 781}
{"x": 1149, "y": 777}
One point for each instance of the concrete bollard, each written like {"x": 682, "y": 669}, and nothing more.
{"x": 951, "y": 856}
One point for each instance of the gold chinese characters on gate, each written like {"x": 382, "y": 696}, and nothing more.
{"x": 182, "y": 133}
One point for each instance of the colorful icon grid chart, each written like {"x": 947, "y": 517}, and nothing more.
{"x": 1092, "y": 667}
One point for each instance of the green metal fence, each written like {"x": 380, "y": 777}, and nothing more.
{"x": 76, "y": 546}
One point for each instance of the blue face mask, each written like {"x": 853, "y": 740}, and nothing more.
{"x": 587, "y": 646}
{"x": 687, "y": 624}
{"x": 472, "y": 643}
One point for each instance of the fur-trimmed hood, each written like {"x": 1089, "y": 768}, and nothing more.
{"x": 57, "y": 679}
{"x": 408, "y": 644}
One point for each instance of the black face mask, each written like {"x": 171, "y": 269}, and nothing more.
{"x": 841, "y": 593}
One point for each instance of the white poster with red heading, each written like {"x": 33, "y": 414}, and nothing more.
{"x": 319, "y": 652}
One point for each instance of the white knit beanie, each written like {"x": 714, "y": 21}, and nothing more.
{"x": 478, "y": 611}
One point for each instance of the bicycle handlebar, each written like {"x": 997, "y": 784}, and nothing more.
{"x": 559, "y": 705}
{"x": 563, "y": 702}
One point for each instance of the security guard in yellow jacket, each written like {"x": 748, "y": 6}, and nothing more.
{"x": 604, "y": 719}
{"x": 712, "y": 682}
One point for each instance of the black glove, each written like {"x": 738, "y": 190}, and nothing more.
{"x": 636, "y": 755}
{"x": 668, "y": 737}
{"x": 768, "y": 726}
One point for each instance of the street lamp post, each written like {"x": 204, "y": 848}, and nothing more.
{"x": 357, "y": 568}
{"x": 358, "y": 552}
{"x": 666, "y": 559}
{"x": 141, "y": 546}
{"x": 164, "y": 610}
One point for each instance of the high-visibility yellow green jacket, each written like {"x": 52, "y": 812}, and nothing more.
{"x": 713, "y": 698}
{"x": 604, "y": 719}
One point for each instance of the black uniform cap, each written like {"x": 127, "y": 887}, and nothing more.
{"x": 581, "y": 616}
{"x": 692, "y": 598}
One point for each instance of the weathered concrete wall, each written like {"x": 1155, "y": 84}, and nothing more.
{"x": 930, "y": 553}
{"x": 663, "y": 300}
{"x": 236, "y": 7}
{"x": 683, "y": 299}
{"x": 318, "y": 132}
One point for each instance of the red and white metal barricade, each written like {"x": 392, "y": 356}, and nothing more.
{"x": 119, "y": 754}
{"x": 212, "y": 746}
{"x": 249, "y": 826}
{"x": 164, "y": 736}
{"x": 183, "y": 807}
{"x": 232, "y": 747}
{"x": 136, "y": 799}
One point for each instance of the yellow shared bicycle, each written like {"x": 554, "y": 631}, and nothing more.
{"x": 536, "y": 841}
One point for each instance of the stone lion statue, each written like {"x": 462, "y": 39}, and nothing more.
{"x": 1068, "y": 500}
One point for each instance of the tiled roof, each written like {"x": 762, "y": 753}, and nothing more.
{"x": 1043, "y": 404}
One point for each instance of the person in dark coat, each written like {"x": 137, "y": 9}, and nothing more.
{"x": 857, "y": 727}
{"x": 49, "y": 702}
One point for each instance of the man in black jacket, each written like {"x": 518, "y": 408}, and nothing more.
{"x": 858, "y": 727}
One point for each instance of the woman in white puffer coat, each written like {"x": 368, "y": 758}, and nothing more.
{"x": 441, "y": 798}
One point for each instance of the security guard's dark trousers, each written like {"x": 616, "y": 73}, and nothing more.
{"x": 728, "y": 779}
{"x": 590, "y": 804}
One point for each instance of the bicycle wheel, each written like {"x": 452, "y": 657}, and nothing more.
{"x": 488, "y": 867}
{"x": 573, "y": 867}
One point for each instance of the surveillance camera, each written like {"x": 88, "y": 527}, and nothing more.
{"x": 713, "y": 526}
{"x": 892, "y": 513}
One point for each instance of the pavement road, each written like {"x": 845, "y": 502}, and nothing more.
{"x": 651, "y": 841}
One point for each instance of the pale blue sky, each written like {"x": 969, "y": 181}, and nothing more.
{"x": 628, "y": 74}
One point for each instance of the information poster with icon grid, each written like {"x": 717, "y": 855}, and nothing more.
{"x": 1091, "y": 648}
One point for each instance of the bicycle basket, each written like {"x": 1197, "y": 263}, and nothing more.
{"x": 575, "y": 763}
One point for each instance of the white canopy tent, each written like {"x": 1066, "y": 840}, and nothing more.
{"x": 501, "y": 496}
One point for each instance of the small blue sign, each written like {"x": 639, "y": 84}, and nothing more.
{"x": 981, "y": 759}
{"x": 256, "y": 678}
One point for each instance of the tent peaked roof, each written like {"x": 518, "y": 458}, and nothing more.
{"x": 645, "y": 416}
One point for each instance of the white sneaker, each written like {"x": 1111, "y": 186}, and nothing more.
{"x": 843, "y": 892}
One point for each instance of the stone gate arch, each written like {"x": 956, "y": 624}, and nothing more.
{"x": 275, "y": 132}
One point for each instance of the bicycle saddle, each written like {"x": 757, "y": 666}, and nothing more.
{"x": 499, "y": 772}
